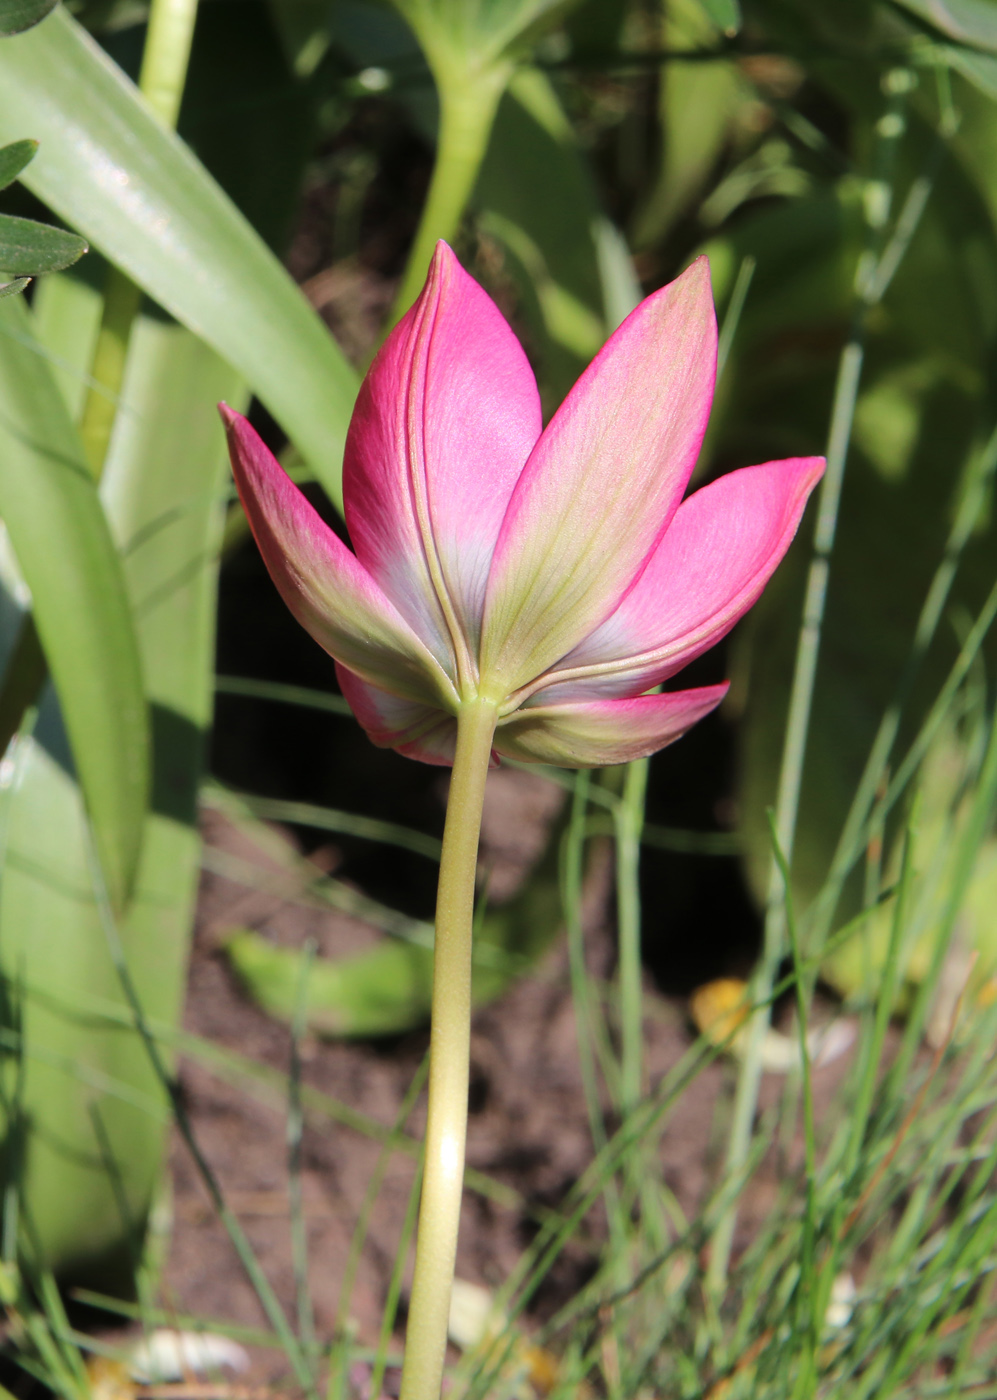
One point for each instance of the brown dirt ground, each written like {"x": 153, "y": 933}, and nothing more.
{"x": 528, "y": 1125}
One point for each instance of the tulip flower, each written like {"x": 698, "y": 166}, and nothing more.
{"x": 521, "y": 592}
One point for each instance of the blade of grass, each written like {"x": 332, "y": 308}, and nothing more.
{"x": 295, "y": 1131}
{"x": 871, "y": 283}
{"x": 283, "y": 694}
{"x": 339, "y": 1362}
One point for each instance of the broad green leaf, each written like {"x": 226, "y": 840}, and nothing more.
{"x": 60, "y": 537}
{"x": 16, "y": 15}
{"x": 28, "y": 247}
{"x": 970, "y": 21}
{"x": 163, "y": 490}
{"x": 108, "y": 167}
{"x": 388, "y": 990}
{"x": 14, "y": 158}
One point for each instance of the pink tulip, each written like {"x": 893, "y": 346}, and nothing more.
{"x": 556, "y": 573}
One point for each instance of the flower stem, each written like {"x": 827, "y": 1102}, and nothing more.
{"x": 468, "y": 103}
{"x": 449, "y": 1059}
{"x": 629, "y": 821}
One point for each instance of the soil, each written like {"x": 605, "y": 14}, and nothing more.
{"x": 528, "y": 1124}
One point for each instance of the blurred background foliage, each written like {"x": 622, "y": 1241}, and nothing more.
{"x": 578, "y": 156}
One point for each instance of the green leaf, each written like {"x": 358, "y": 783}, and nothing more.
{"x": 725, "y": 14}
{"x": 163, "y": 492}
{"x": 49, "y": 504}
{"x": 14, "y": 158}
{"x": 16, "y": 15}
{"x": 27, "y": 247}
{"x": 970, "y": 21}
{"x": 107, "y": 166}
{"x": 979, "y": 68}
{"x": 10, "y": 289}
{"x": 388, "y": 990}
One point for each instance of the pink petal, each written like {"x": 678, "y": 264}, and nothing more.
{"x": 600, "y": 732}
{"x": 602, "y": 483}
{"x": 417, "y": 731}
{"x": 329, "y": 592}
{"x": 444, "y": 422}
{"x": 710, "y": 567}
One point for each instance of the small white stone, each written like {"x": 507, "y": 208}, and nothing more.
{"x": 168, "y": 1355}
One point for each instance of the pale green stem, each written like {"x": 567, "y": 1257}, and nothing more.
{"x": 449, "y": 1059}
{"x": 161, "y": 82}
{"x": 629, "y": 821}
{"x": 468, "y": 102}
{"x": 166, "y": 56}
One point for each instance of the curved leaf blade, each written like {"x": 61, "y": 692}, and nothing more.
{"x": 49, "y": 504}
{"x": 14, "y": 158}
{"x": 16, "y": 15}
{"x": 108, "y": 167}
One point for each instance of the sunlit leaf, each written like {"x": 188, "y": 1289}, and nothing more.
{"x": 59, "y": 534}
{"x": 108, "y": 167}
{"x": 163, "y": 489}
{"x": 970, "y": 21}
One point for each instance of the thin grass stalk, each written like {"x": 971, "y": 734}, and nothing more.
{"x": 581, "y": 992}
{"x": 807, "y": 1295}
{"x": 395, "y": 1286}
{"x": 329, "y": 819}
{"x": 283, "y": 694}
{"x": 628, "y": 816}
{"x": 338, "y": 1374}
{"x": 979, "y": 823}
{"x": 870, "y": 287}
{"x": 971, "y": 507}
{"x": 295, "y": 1134}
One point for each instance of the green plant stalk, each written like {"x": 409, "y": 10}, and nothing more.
{"x": 161, "y": 81}
{"x": 449, "y": 1059}
{"x": 339, "y": 1361}
{"x": 469, "y": 98}
{"x": 295, "y": 1133}
{"x": 629, "y": 821}
{"x": 790, "y": 782}
{"x": 166, "y": 56}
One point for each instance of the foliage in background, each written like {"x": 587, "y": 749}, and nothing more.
{"x": 838, "y": 166}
